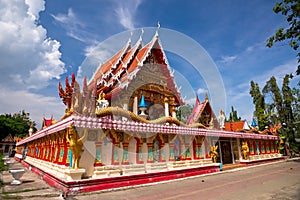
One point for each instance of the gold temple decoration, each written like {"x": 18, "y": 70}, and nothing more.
{"x": 245, "y": 150}
{"x": 75, "y": 144}
{"x": 213, "y": 153}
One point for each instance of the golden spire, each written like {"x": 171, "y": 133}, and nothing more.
{"x": 206, "y": 96}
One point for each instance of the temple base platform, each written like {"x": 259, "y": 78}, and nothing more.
{"x": 109, "y": 177}
{"x": 261, "y": 159}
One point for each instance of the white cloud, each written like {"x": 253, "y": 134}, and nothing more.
{"x": 15, "y": 101}
{"x": 27, "y": 56}
{"x": 190, "y": 101}
{"x": 278, "y": 72}
{"x": 74, "y": 26}
{"x": 28, "y": 60}
{"x": 34, "y": 8}
{"x": 239, "y": 94}
{"x": 227, "y": 59}
{"x": 201, "y": 91}
{"x": 126, "y": 12}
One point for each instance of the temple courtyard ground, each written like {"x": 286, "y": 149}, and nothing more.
{"x": 278, "y": 180}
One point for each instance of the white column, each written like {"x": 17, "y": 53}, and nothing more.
{"x": 239, "y": 148}
{"x": 232, "y": 153}
{"x": 166, "y": 107}
{"x": 135, "y": 105}
{"x": 220, "y": 152}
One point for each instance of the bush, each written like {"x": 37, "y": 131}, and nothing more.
{"x": 2, "y": 166}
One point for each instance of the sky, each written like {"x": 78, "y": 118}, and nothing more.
{"x": 43, "y": 41}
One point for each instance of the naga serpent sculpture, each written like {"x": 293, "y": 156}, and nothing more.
{"x": 102, "y": 112}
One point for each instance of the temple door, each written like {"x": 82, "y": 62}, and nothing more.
{"x": 226, "y": 152}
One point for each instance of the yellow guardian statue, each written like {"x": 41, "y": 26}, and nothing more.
{"x": 75, "y": 144}
{"x": 245, "y": 150}
{"x": 213, "y": 153}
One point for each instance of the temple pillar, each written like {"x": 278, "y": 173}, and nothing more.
{"x": 171, "y": 150}
{"x": 144, "y": 152}
{"x": 232, "y": 153}
{"x": 207, "y": 148}
{"x": 220, "y": 152}
{"x": 166, "y": 107}
{"x": 135, "y": 105}
{"x": 239, "y": 148}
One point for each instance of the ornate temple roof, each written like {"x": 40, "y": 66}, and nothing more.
{"x": 199, "y": 109}
{"x": 236, "y": 126}
{"x": 116, "y": 73}
{"x": 8, "y": 139}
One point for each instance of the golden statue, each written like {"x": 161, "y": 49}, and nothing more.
{"x": 280, "y": 145}
{"x": 213, "y": 153}
{"x": 245, "y": 150}
{"x": 75, "y": 144}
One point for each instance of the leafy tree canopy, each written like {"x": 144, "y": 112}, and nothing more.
{"x": 260, "y": 105}
{"x": 233, "y": 116}
{"x": 184, "y": 112}
{"x": 15, "y": 124}
{"x": 283, "y": 107}
{"x": 291, "y": 10}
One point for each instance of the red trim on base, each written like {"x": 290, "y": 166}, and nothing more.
{"x": 89, "y": 185}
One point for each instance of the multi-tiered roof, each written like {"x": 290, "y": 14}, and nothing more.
{"x": 117, "y": 73}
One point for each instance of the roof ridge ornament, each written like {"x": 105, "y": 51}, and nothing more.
{"x": 142, "y": 33}
{"x": 129, "y": 40}
{"x": 158, "y": 27}
{"x": 206, "y": 96}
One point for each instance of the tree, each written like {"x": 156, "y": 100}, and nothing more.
{"x": 233, "y": 117}
{"x": 283, "y": 108}
{"x": 17, "y": 124}
{"x": 290, "y": 9}
{"x": 272, "y": 88}
{"x": 184, "y": 112}
{"x": 260, "y": 106}
{"x": 296, "y": 110}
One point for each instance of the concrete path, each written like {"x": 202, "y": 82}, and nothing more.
{"x": 32, "y": 186}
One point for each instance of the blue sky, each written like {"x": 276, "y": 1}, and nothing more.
{"x": 42, "y": 42}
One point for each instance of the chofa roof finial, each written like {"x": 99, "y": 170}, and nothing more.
{"x": 142, "y": 33}
{"x": 206, "y": 96}
{"x": 158, "y": 27}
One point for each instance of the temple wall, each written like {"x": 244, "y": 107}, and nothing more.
{"x": 108, "y": 152}
{"x": 88, "y": 157}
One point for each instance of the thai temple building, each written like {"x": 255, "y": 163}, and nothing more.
{"x": 121, "y": 129}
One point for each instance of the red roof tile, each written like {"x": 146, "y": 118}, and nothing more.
{"x": 234, "y": 126}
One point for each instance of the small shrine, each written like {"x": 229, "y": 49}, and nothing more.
{"x": 121, "y": 129}
{"x": 7, "y": 145}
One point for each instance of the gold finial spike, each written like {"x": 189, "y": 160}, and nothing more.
{"x": 206, "y": 96}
